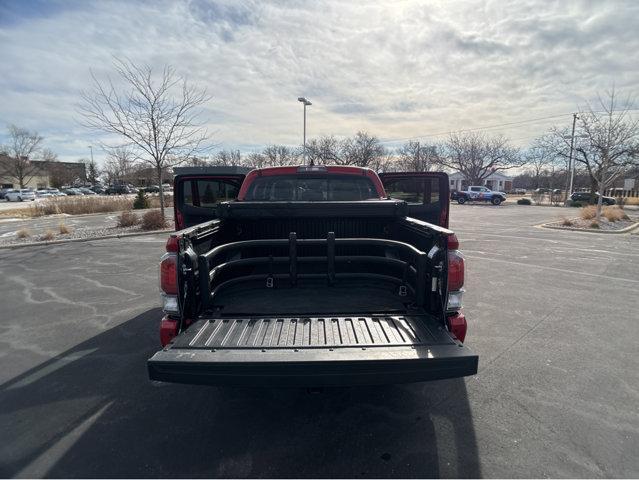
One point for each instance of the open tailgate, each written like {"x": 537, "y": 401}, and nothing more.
{"x": 313, "y": 351}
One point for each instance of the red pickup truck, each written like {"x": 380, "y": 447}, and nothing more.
{"x": 311, "y": 276}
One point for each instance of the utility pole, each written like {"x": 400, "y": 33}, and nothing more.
{"x": 91, "y": 148}
{"x": 571, "y": 164}
{"x": 306, "y": 103}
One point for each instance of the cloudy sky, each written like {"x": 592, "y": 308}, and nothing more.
{"x": 397, "y": 69}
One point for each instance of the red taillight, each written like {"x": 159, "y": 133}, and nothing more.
{"x": 168, "y": 274}
{"x": 453, "y": 243}
{"x": 179, "y": 220}
{"x": 457, "y": 326}
{"x": 173, "y": 244}
{"x": 455, "y": 270}
{"x": 168, "y": 330}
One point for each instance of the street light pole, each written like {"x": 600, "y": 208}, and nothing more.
{"x": 306, "y": 103}
{"x": 571, "y": 163}
{"x": 91, "y": 148}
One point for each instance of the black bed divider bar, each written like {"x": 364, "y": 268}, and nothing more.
{"x": 292, "y": 242}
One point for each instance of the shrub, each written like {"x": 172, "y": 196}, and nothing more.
{"x": 524, "y": 201}
{"x": 566, "y": 222}
{"x": 23, "y": 233}
{"x": 141, "y": 201}
{"x": 64, "y": 229}
{"x": 48, "y": 235}
{"x": 128, "y": 219}
{"x": 594, "y": 225}
{"x": 589, "y": 212}
{"x": 572, "y": 203}
{"x": 613, "y": 213}
{"x": 153, "y": 220}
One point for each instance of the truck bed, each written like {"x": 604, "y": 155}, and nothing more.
{"x": 313, "y": 351}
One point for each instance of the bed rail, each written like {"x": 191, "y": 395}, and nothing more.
{"x": 413, "y": 276}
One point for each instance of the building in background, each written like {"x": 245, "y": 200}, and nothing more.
{"x": 41, "y": 174}
{"x": 495, "y": 181}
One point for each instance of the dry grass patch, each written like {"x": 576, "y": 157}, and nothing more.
{"x": 594, "y": 225}
{"x": 23, "y": 233}
{"x": 154, "y": 201}
{"x": 153, "y": 220}
{"x": 64, "y": 229}
{"x": 566, "y": 222}
{"x": 81, "y": 205}
{"x": 613, "y": 213}
{"x": 48, "y": 235}
{"x": 589, "y": 212}
{"x": 128, "y": 219}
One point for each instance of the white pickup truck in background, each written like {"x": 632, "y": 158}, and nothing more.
{"x": 478, "y": 194}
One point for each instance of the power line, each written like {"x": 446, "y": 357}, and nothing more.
{"x": 437, "y": 134}
{"x": 487, "y": 127}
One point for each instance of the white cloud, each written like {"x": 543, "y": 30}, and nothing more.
{"x": 396, "y": 69}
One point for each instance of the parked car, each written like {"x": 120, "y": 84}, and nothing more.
{"x": 585, "y": 197}
{"x": 477, "y": 193}
{"x": 152, "y": 189}
{"x": 332, "y": 248}
{"x": 86, "y": 191}
{"x": 3, "y": 191}
{"x": 56, "y": 193}
{"x": 20, "y": 195}
{"x": 519, "y": 191}
{"x": 98, "y": 189}
{"x": 73, "y": 191}
{"x": 43, "y": 193}
{"x": 118, "y": 190}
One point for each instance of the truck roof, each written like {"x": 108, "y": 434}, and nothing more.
{"x": 310, "y": 170}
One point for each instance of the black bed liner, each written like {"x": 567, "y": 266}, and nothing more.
{"x": 313, "y": 351}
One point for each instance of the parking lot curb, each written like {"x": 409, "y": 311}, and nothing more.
{"x": 72, "y": 240}
{"x": 590, "y": 230}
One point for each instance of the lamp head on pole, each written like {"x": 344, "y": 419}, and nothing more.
{"x": 304, "y": 101}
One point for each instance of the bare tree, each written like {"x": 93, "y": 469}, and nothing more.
{"x": 611, "y": 144}
{"x": 363, "y": 150}
{"x": 22, "y": 149}
{"x": 157, "y": 118}
{"x": 477, "y": 156}
{"x": 120, "y": 164}
{"x": 227, "y": 158}
{"x": 544, "y": 156}
{"x": 415, "y": 156}
{"x": 273, "y": 156}
{"x": 325, "y": 150}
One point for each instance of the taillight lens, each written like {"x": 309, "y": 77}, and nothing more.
{"x": 455, "y": 270}
{"x": 453, "y": 243}
{"x": 168, "y": 330}
{"x": 457, "y": 326}
{"x": 168, "y": 274}
{"x": 173, "y": 244}
{"x": 179, "y": 220}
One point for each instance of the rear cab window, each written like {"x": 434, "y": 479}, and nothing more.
{"x": 315, "y": 188}
{"x": 207, "y": 193}
{"x": 414, "y": 190}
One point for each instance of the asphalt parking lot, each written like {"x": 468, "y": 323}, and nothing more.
{"x": 553, "y": 315}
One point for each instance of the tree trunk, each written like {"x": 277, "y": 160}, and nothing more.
{"x": 159, "y": 173}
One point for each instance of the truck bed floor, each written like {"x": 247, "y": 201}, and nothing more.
{"x": 311, "y": 297}
{"x": 309, "y": 332}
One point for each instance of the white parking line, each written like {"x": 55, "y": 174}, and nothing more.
{"x": 562, "y": 270}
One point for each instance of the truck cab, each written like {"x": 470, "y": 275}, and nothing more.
{"x": 311, "y": 276}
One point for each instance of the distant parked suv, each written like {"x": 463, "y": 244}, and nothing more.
{"x": 585, "y": 197}
{"x": 479, "y": 194}
{"x": 20, "y": 195}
